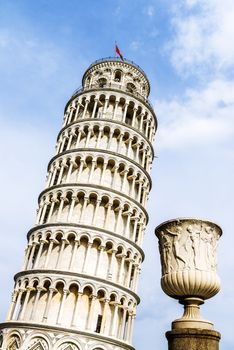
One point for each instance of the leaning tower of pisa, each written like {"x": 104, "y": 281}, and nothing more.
{"x": 77, "y": 289}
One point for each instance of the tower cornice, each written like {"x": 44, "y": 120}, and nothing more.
{"x": 87, "y": 150}
{"x": 87, "y": 277}
{"x": 113, "y": 122}
{"x": 61, "y": 329}
{"x": 139, "y": 98}
{"x": 93, "y": 187}
{"x": 87, "y": 227}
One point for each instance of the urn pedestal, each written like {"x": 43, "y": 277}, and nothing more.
{"x": 189, "y": 261}
{"x": 193, "y": 339}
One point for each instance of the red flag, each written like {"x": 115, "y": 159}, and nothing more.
{"x": 118, "y": 52}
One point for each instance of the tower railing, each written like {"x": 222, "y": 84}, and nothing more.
{"x": 114, "y": 87}
{"x": 118, "y": 59}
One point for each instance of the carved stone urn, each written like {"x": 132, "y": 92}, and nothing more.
{"x": 189, "y": 261}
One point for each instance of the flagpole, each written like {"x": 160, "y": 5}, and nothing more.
{"x": 115, "y": 49}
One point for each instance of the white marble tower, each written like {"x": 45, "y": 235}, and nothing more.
{"x": 77, "y": 288}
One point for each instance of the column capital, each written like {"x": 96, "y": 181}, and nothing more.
{"x": 21, "y": 290}
{"x": 119, "y": 208}
{"x": 114, "y": 303}
{"x": 133, "y": 176}
{"x": 127, "y": 213}
{"x": 43, "y": 241}
{"x": 121, "y": 255}
{"x": 65, "y": 240}
{"x": 109, "y": 204}
{"x": 54, "y": 199}
{"x": 93, "y": 296}
{"x": 73, "y": 132}
{"x": 64, "y": 198}
{"x": 114, "y": 168}
{"x": 106, "y": 300}
{"x": 125, "y": 171}
{"x": 135, "y": 218}
{"x": 56, "y": 165}
{"x": 53, "y": 240}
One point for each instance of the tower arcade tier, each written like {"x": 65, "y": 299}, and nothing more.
{"x": 77, "y": 288}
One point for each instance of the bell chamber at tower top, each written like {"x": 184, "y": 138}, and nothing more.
{"x": 116, "y": 74}
{"x": 117, "y": 90}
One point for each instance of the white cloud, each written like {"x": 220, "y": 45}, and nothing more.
{"x": 154, "y": 33}
{"x": 117, "y": 10}
{"x": 135, "y": 45}
{"x": 202, "y": 117}
{"x": 150, "y": 11}
{"x": 203, "y": 36}
{"x": 30, "y": 52}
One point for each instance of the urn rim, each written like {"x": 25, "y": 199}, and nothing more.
{"x": 184, "y": 219}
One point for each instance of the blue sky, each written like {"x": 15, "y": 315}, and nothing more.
{"x": 186, "y": 49}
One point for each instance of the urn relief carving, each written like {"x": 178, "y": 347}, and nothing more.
{"x": 188, "y": 252}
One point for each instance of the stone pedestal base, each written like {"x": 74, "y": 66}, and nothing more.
{"x": 193, "y": 339}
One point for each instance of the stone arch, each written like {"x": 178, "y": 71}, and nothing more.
{"x": 25, "y": 282}
{"x": 102, "y": 82}
{"x": 38, "y": 342}
{"x": 70, "y": 239}
{"x": 84, "y": 240}
{"x": 88, "y": 291}
{"x": 65, "y": 342}
{"x": 70, "y": 302}
{"x": 97, "y": 174}
{"x": 46, "y": 282}
{"x": 99, "y": 305}
{"x": 70, "y": 234}
{"x": 118, "y": 75}
{"x": 68, "y": 346}
{"x": 59, "y": 286}
{"x": 14, "y": 341}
